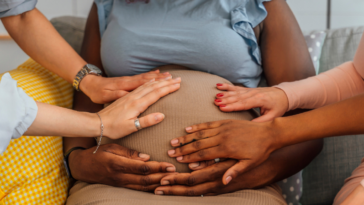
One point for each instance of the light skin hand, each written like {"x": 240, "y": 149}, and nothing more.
{"x": 272, "y": 101}
{"x": 123, "y": 112}
{"x": 249, "y": 142}
{"x": 104, "y": 90}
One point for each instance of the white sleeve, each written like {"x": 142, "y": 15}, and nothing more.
{"x": 17, "y": 111}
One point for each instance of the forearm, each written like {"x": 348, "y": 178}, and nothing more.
{"x": 329, "y": 87}
{"x": 82, "y": 103}
{"x": 38, "y": 38}
{"x": 343, "y": 118}
{"x": 356, "y": 197}
{"x": 57, "y": 121}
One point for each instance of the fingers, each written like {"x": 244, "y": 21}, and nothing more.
{"x": 227, "y": 87}
{"x": 134, "y": 180}
{"x": 203, "y": 164}
{"x": 238, "y": 169}
{"x": 193, "y": 147}
{"x": 110, "y": 96}
{"x": 138, "y": 187}
{"x": 153, "y": 96}
{"x": 142, "y": 168}
{"x": 124, "y": 152}
{"x": 203, "y": 155}
{"x": 241, "y": 105}
{"x": 265, "y": 117}
{"x": 208, "y": 174}
{"x": 204, "y": 126}
{"x": 198, "y": 190}
{"x": 150, "y": 120}
{"x": 198, "y": 135}
{"x": 155, "y": 86}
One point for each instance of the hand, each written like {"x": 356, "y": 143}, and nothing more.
{"x": 272, "y": 101}
{"x": 249, "y": 142}
{"x": 103, "y": 90}
{"x": 123, "y": 112}
{"x": 207, "y": 181}
{"x": 118, "y": 166}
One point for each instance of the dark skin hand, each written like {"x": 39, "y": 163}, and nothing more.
{"x": 113, "y": 164}
{"x": 285, "y": 59}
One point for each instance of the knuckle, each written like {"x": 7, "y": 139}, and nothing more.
{"x": 130, "y": 152}
{"x": 196, "y": 144}
{"x": 191, "y": 180}
{"x": 209, "y": 124}
{"x": 145, "y": 180}
{"x": 200, "y": 134}
{"x": 190, "y": 192}
{"x": 144, "y": 169}
{"x": 201, "y": 153}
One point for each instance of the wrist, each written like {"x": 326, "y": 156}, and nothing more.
{"x": 92, "y": 125}
{"x": 87, "y": 83}
{"x": 277, "y": 131}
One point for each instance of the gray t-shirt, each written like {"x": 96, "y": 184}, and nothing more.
{"x": 15, "y": 7}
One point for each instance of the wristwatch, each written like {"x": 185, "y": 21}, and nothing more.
{"x": 65, "y": 161}
{"x": 87, "y": 69}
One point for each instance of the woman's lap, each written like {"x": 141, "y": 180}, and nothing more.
{"x": 97, "y": 194}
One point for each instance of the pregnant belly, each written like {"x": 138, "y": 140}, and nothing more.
{"x": 191, "y": 104}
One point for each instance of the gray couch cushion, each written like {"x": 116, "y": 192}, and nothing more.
{"x": 324, "y": 177}
{"x": 71, "y": 29}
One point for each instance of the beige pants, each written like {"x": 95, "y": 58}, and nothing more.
{"x": 97, "y": 194}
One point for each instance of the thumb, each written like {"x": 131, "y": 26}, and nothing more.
{"x": 234, "y": 171}
{"x": 111, "y": 96}
{"x": 265, "y": 117}
{"x": 151, "y": 119}
{"x": 126, "y": 152}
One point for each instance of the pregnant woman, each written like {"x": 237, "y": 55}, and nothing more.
{"x": 234, "y": 39}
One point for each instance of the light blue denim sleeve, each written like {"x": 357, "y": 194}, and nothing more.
{"x": 244, "y": 18}
{"x": 16, "y": 7}
{"x": 103, "y": 11}
{"x": 17, "y": 111}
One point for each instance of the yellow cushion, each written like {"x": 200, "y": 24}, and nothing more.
{"x": 31, "y": 169}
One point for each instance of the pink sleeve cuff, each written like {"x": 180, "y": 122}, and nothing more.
{"x": 329, "y": 87}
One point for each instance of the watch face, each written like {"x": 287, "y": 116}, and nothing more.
{"x": 94, "y": 69}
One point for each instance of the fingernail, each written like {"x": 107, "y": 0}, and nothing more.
{"x": 220, "y": 95}
{"x": 174, "y": 141}
{"x": 152, "y": 80}
{"x": 194, "y": 165}
{"x": 171, "y": 152}
{"x": 219, "y": 84}
{"x": 167, "y": 78}
{"x": 159, "y": 192}
{"x": 165, "y": 182}
{"x": 171, "y": 169}
{"x": 177, "y": 79}
{"x": 217, "y": 100}
{"x": 179, "y": 158}
{"x": 143, "y": 156}
{"x": 222, "y": 105}
{"x": 166, "y": 73}
{"x": 188, "y": 128}
{"x": 159, "y": 117}
{"x": 228, "y": 179}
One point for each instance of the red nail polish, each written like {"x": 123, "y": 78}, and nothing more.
{"x": 217, "y": 100}
{"x": 222, "y": 105}
{"x": 220, "y": 95}
{"x": 219, "y": 84}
